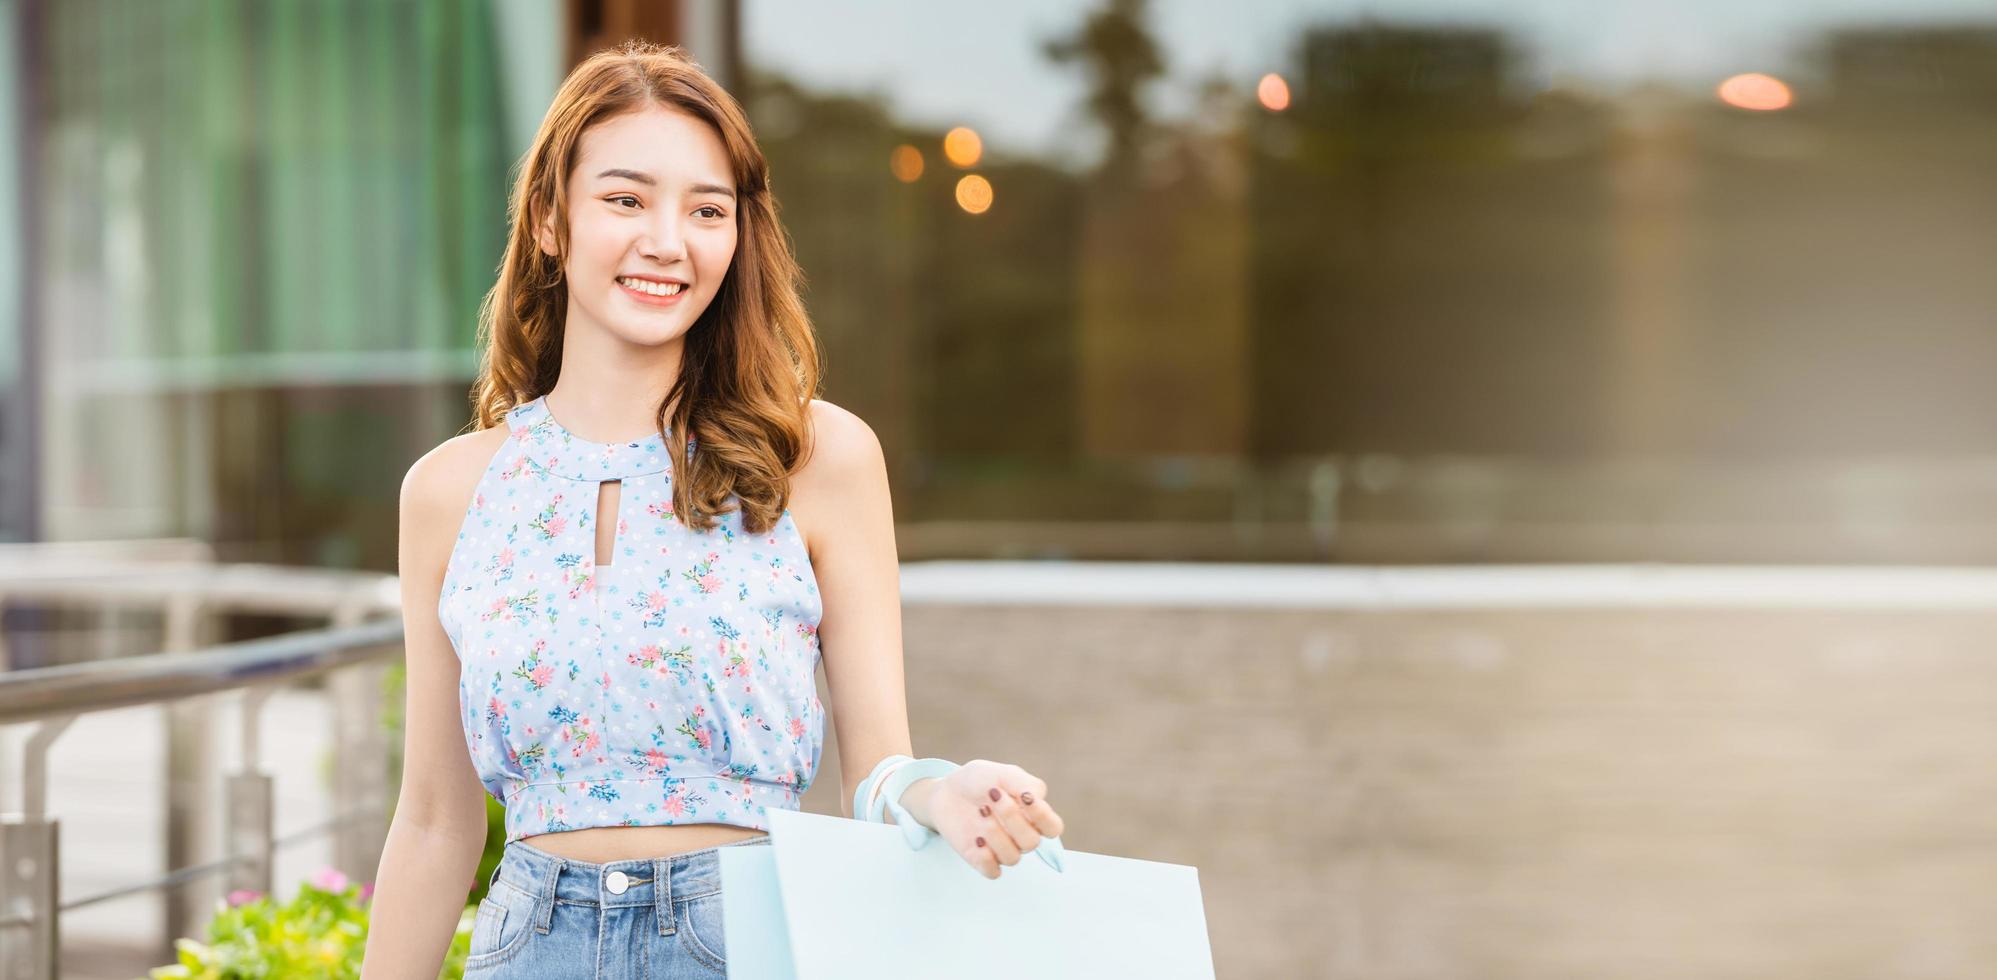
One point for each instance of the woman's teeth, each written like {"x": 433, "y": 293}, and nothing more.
{"x": 655, "y": 288}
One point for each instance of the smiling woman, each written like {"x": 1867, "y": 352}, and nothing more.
{"x": 618, "y": 590}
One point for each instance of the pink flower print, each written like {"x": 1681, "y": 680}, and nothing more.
{"x": 622, "y": 526}
{"x": 693, "y": 729}
{"x": 495, "y": 709}
{"x": 542, "y": 675}
{"x": 555, "y": 526}
{"x": 797, "y": 728}
{"x": 710, "y": 583}
{"x": 674, "y": 805}
{"x": 655, "y": 602}
{"x": 655, "y": 759}
{"x": 520, "y": 433}
{"x": 591, "y": 741}
{"x": 541, "y": 645}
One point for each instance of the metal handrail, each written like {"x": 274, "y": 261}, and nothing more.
{"x": 100, "y": 685}
{"x": 171, "y": 577}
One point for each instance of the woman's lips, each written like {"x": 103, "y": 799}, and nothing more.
{"x": 649, "y": 299}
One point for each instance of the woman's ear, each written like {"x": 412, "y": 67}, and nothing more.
{"x": 545, "y": 238}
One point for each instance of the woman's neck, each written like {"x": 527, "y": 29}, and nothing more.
{"x": 611, "y": 393}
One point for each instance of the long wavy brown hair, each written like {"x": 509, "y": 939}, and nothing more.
{"x": 750, "y": 363}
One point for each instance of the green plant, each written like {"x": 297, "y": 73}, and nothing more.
{"x": 319, "y": 934}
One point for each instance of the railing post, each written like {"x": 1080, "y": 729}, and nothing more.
{"x": 29, "y": 883}
{"x": 251, "y": 831}
{"x": 190, "y": 786}
{"x": 360, "y": 769}
{"x": 28, "y": 897}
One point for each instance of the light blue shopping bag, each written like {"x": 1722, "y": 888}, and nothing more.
{"x": 839, "y": 899}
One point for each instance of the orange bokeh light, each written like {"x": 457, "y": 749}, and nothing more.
{"x": 906, "y": 163}
{"x": 974, "y": 194}
{"x": 963, "y": 147}
{"x": 1753, "y": 90}
{"x": 1273, "y": 92}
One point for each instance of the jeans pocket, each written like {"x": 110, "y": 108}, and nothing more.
{"x": 504, "y": 921}
{"x": 700, "y": 927}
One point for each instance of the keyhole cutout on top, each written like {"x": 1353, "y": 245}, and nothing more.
{"x": 607, "y": 494}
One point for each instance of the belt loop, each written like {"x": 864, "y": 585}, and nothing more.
{"x": 662, "y": 893}
{"x": 546, "y": 910}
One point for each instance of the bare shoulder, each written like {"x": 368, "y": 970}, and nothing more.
{"x": 843, "y": 467}
{"x": 840, "y": 441}
{"x": 438, "y": 489}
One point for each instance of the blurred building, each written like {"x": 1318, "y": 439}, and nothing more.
{"x": 1455, "y": 298}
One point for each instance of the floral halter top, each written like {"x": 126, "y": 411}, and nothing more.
{"x": 673, "y": 685}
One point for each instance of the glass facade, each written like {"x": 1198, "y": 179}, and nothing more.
{"x": 266, "y": 230}
{"x": 1320, "y": 280}
{"x": 1305, "y": 281}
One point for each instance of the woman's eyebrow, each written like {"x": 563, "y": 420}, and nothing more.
{"x": 649, "y": 181}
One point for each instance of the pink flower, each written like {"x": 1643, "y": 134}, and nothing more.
{"x": 555, "y": 526}
{"x": 701, "y": 736}
{"x": 542, "y": 675}
{"x": 367, "y": 891}
{"x": 710, "y": 582}
{"x": 797, "y": 727}
{"x": 655, "y": 601}
{"x": 674, "y": 806}
{"x": 655, "y": 758}
{"x": 243, "y": 895}
{"x": 330, "y": 879}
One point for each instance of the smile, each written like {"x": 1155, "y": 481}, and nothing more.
{"x": 652, "y": 293}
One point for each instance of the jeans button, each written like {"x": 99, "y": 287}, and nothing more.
{"x": 616, "y": 882}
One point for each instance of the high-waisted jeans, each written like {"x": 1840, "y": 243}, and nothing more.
{"x": 550, "y": 918}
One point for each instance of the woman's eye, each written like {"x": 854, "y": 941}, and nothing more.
{"x": 627, "y": 197}
{"x": 710, "y": 207}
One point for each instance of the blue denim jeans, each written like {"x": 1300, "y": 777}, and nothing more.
{"x": 550, "y": 918}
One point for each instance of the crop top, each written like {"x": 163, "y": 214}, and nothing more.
{"x": 674, "y": 685}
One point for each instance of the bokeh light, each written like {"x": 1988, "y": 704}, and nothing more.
{"x": 1753, "y": 90}
{"x": 1273, "y": 92}
{"x": 963, "y": 147}
{"x": 974, "y": 194}
{"x": 906, "y": 163}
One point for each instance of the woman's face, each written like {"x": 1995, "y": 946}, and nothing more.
{"x": 651, "y": 204}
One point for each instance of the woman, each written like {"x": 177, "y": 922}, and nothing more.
{"x": 617, "y": 640}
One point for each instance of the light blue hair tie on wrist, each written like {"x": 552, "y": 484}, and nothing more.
{"x": 864, "y": 791}
{"x": 913, "y": 832}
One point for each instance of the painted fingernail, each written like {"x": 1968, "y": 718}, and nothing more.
{"x": 995, "y": 794}
{"x": 984, "y": 811}
{"x": 981, "y": 842}
{"x": 1026, "y": 798}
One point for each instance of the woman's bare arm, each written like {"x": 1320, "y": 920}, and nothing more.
{"x": 990, "y": 813}
{"x": 438, "y": 832}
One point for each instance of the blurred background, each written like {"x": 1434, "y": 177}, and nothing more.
{"x": 1520, "y": 477}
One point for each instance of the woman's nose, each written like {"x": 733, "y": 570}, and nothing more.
{"x": 663, "y": 241}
